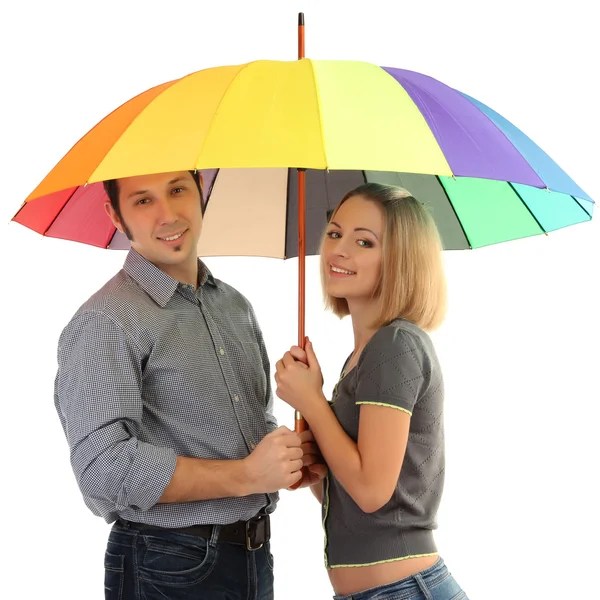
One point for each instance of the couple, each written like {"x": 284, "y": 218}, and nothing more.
{"x": 163, "y": 391}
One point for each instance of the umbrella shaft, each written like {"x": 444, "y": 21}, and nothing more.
{"x": 301, "y": 254}
{"x": 300, "y": 424}
{"x": 300, "y": 36}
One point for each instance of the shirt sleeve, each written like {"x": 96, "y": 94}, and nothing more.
{"x": 98, "y": 395}
{"x": 392, "y": 370}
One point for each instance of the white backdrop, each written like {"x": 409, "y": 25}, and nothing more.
{"x": 519, "y": 348}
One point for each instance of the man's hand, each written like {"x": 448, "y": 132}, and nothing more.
{"x": 312, "y": 459}
{"x": 276, "y": 462}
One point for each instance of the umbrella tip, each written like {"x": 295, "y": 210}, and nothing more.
{"x": 300, "y": 19}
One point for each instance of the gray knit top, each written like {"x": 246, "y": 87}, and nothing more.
{"x": 398, "y": 368}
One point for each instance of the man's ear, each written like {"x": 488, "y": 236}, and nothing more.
{"x": 114, "y": 217}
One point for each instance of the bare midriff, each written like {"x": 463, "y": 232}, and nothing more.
{"x": 351, "y": 580}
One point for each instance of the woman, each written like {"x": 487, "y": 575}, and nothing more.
{"x": 382, "y": 433}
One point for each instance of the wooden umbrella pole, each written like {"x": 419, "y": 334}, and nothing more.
{"x": 300, "y": 35}
{"x": 299, "y": 422}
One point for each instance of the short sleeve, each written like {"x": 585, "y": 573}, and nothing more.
{"x": 392, "y": 370}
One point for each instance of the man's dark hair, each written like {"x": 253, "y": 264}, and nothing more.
{"x": 111, "y": 187}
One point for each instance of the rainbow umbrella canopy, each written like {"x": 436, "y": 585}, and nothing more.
{"x": 279, "y": 143}
{"x": 249, "y": 129}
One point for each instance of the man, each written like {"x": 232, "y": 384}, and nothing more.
{"x": 163, "y": 391}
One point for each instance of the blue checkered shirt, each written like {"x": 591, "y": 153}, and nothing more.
{"x": 149, "y": 369}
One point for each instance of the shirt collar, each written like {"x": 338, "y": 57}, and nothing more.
{"x": 155, "y": 282}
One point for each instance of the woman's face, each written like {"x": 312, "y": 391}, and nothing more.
{"x": 352, "y": 250}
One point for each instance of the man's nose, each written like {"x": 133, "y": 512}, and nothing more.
{"x": 166, "y": 214}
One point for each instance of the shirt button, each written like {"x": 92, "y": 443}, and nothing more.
{"x": 236, "y": 398}
{"x": 221, "y": 351}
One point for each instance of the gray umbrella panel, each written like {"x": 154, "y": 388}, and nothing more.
{"x": 254, "y": 212}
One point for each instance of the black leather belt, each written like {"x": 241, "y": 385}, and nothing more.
{"x": 252, "y": 534}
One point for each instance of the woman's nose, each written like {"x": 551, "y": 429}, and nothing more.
{"x": 341, "y": 249}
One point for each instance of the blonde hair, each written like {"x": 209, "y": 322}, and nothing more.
{"x": 412, "y": 282}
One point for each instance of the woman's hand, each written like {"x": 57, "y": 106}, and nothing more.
{"x": 300, "y": 384}
{"x": 316, "y": 469}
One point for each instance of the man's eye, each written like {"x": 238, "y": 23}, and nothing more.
{"x": 177, "y": 190}
{"x": 143, "y": 201}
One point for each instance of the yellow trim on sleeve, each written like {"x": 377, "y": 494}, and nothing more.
{"x": 380, "y": 562}
{"x": 391, "y": 406}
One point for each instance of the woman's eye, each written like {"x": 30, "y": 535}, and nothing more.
{"x": 364, "y": 243}
{"x": 333, "y": 235}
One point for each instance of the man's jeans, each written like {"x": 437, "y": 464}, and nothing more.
{"x": 157, "y": 564}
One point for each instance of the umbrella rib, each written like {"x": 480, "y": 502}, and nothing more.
{"x": 287, "y": 212}
{"x": 208, "y": 193}
{"x": 587, "y": 214}
{"x": 504, "y": 134}
{"x": 23, "y": 205}
{"x": 60, "y": 211}
{"x": 167, "y": 85}
{"x": 527, "y": 207}
{"x": 318, "y": 94}
{"x": 216, "y": 113}
{"x": 454, "y": 211}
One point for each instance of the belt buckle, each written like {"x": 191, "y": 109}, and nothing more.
{"x": 251, "y": 530}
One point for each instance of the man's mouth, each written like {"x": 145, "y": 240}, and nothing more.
{"x": 171, "y": 238}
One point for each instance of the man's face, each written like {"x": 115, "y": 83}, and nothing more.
{"x": 163, "y": 217}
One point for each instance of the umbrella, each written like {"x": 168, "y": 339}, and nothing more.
{"x": 269, "y": 135}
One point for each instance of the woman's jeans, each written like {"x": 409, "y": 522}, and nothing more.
{"x": 435, "y": 583}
